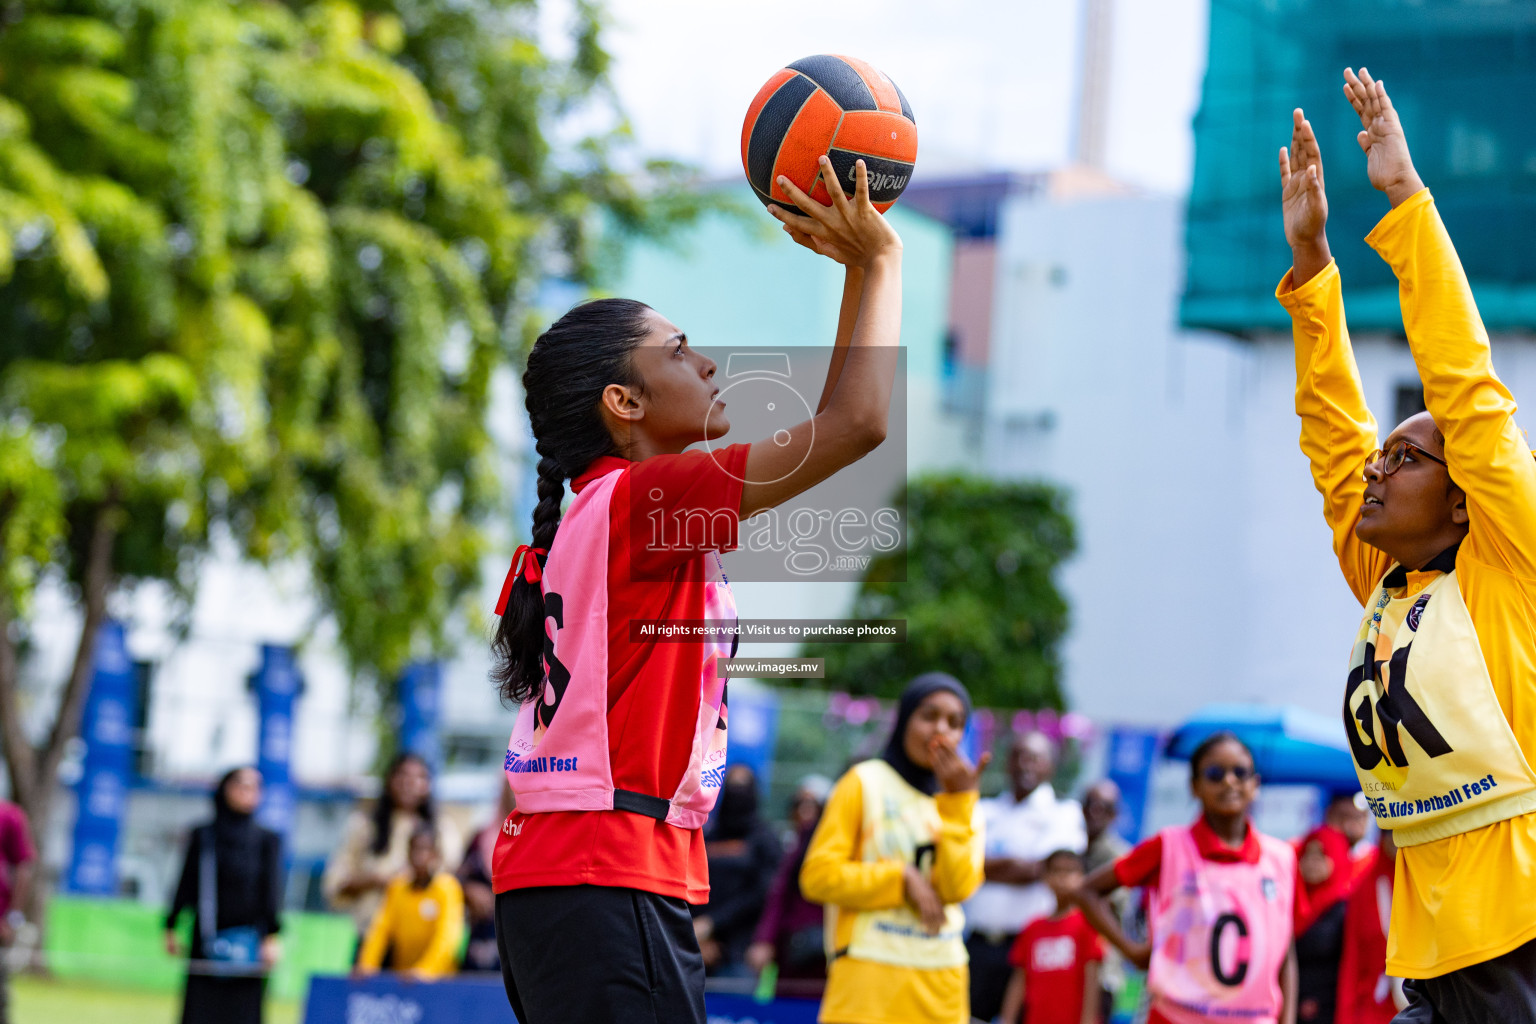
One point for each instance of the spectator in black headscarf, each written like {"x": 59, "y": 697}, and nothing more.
{"x": 744, "y": 853}
{"x": 233, "y": 875}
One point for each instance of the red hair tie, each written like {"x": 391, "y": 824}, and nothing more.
{"x": 524, "y": 564}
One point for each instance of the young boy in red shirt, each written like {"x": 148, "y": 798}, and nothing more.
{"x": 1056, "y": 959}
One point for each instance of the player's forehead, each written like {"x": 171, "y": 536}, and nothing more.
{"x": 1418, "y": 429}
{"x": 659, "y": 330}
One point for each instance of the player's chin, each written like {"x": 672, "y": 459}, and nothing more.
{"x": 717, "y": 424}
{"x": 1369, "y": 530}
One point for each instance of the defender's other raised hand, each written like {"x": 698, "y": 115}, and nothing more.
{"x": 1387, "y": 162}
{"x": 850, "y": 231}
{"x": 1303, "y": 201}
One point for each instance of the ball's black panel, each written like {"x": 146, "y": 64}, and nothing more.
{"x": 906, "y": 108}
{"x": 887, "y": 178}
{"x": 839, "y": 80}
{"x": 773, "y": 123}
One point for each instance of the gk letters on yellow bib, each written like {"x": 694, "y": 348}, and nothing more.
{"x": 900, "y": 823}
{"x": 1433, "y": 750}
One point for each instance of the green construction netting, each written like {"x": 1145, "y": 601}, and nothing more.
{"x": 1462, "y": 74}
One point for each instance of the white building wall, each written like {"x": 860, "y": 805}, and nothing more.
{"x": 1204, "y": 570}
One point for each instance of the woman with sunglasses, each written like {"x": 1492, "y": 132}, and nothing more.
{"x": 1219, "y": 918}
{"x": 1435, "y": 530}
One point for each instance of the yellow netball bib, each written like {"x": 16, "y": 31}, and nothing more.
{"x": 1433, "y": 750}
{"x": 900, "y": 823}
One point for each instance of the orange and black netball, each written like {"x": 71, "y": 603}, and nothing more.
{"x": 842, "y": 107}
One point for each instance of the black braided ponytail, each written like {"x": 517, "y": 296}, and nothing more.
{"x": 570, "y": 364}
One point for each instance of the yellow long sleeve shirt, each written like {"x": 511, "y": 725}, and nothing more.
{"x": 1467, "y": 898}
{"x": 420, "y": 927}
{"x": 861, "y": 991}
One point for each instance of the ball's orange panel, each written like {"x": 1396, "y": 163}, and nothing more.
{"x": 778, "y": 79}
{"x": 808, "y": 138}
{"x": 883, "y": 88}
{"x": 772, "y": 124}
{"x": 877, "y": 133}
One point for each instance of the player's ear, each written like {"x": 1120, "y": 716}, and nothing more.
{"x": 1458, "y": 505}
{"x": 622, "y": 403}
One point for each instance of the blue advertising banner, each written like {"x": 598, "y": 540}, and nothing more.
{"x": 387, "y": 999}
{"x": 420, "y": 696}
{"x": 730, "y": 1009}
{"x": 102, "y": 792}
{"x": 277, "y": 684}
{"x": 1132, "y": 752}
{"x": 754, "y": 725}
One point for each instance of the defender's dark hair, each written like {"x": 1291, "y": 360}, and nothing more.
{"x": 1209, "y": 744}
{"x": 384, "y": 808}
{"x": 583, "y": 352}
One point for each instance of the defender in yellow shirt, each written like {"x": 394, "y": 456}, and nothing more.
{"x": 898, "y": 848}
{"x": 1435, "y": 531}
{"x": 421, "y": 924}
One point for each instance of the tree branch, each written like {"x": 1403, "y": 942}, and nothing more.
{"x": 95, "y": 581}
{"x": 20, "y": 758}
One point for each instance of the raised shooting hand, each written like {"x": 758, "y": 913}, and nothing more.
{"x": 850, "y": 231}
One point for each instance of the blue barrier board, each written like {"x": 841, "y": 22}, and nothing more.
{"x": 386, "y": 999}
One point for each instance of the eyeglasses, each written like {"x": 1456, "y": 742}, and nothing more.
{"x": 1392, "y": 458}
{"x": 1219, "y": 773}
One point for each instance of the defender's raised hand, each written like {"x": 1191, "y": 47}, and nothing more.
{"x": 1303, "y": 201}
{"x": 1387, "y": 162}
{"x": 1302, "y": 198}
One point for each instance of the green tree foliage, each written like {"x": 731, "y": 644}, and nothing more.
{"x": 980, "y": 596}
{"x": 258, "y": 261}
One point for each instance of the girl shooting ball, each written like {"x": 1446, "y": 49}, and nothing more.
{"x": 618, "y": 752}
{"x": 1220, "y": 913}
{"x": 1435, "y": 531}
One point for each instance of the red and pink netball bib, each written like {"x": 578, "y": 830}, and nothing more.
{"x": 558, "y": 755}
{"x": 1220, "y": 931}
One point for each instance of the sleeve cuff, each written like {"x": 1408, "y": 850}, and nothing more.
{"x": 1296, "y": 299}
{"x": 1381, "y": 235}
{"x": 957, "y": 808}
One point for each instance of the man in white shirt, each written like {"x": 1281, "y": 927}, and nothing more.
{"x": 1024, "y": 826}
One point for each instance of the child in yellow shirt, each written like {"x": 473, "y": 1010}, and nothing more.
{"x": 421, "y": 923}
{"x": 898, "y": 849}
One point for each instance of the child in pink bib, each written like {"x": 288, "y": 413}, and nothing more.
{"x": 1220, "y": 912}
